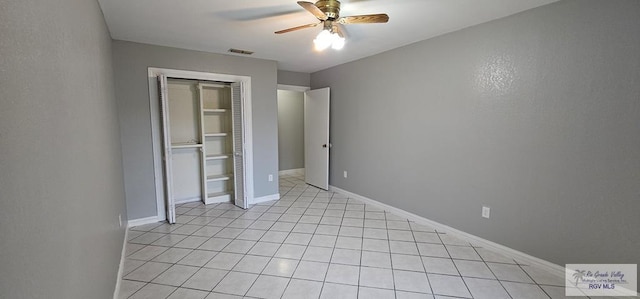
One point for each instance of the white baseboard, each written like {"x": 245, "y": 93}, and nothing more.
{"x": 116, "y": 291}
{"x": 143, "y": 221}
{"x": 188, "y": 200}
{"x": 504, "y": 250}
{"x": 257, "y": 200}
{"x": 296, "y": 171}
{"x": 218, "y": 199}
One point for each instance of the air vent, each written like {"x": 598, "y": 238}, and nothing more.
{"x": 238, "y": 51}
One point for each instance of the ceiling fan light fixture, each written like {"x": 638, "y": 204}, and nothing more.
{"x": 326, "y": 38}
{"x": 338, "y": 42}
{"x": 323, "y": 40}
{"x": 328, "y": 13}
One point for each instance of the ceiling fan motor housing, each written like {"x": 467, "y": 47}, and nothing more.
{"x": 331, "y": 8}
{"x": 328, "y": 13}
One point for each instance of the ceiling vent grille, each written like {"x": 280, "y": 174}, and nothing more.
{"x": 238, "y": 51}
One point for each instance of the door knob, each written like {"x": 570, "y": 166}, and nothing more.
{"x": 324, "y": 145}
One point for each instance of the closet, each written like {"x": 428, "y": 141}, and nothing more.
{"x": 202, "y": 141}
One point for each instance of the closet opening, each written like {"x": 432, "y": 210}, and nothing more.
{"x": 201, "y": 128}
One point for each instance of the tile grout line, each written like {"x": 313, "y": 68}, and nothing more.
{"x": 426, "y": 274}
{"x": 421, "y": 259}
{"x": 393, "y": 275}
{"x": 324, "y": 280}
{"x": 492, "y": 273}
{"x": 455, "y": 266}
{"x": 534, "y": 281}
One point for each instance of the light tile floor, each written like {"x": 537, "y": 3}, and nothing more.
{"x": 316, "y": 244}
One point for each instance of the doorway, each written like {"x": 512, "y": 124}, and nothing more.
{"x": 303, "y": 133}
{"x": 291, "y": 130}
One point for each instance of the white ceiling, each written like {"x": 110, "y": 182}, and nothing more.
{"x": 218, "y": 25}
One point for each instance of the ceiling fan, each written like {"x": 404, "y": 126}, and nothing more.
{"x": 328, "y": 13}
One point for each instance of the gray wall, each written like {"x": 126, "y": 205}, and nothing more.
{"x": 536, "y": 115}
{"x": 61, "y": 180}
{"x": 290, "y": 129}
{"x": 131, "y": 62}
{"x": 294, "y": 78}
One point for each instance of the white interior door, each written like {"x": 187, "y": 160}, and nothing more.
{"x": 237, "y": 103}
{"x": 166, "y": 149}
{"x": 316, "y": 137}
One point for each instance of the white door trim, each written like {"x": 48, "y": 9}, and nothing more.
{"x": 156, "y": 135}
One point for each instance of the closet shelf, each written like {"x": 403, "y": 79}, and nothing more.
{"x": 186, "y": 145}
{"x": 216, "y": 178}
{"x": 214, "y": 110}
{"x": 218, "y": 157}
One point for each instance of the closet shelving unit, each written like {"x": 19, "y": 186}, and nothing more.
{"x": 217, "y": 132}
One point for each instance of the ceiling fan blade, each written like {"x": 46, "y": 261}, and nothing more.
{"x": 313, "y": 9}
{"x": 298, "y": 28}
{"x": 363, "y": 19}
{"x": 253, "y": 14}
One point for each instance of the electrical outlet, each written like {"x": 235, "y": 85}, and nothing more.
{"x": 345, "y": 174}
{"x": 120, "y": 219}
{"x": 271, "y": 178}
{"x": 486, "y": 212}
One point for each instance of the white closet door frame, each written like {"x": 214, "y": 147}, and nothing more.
{"x": 156, "y": 131}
